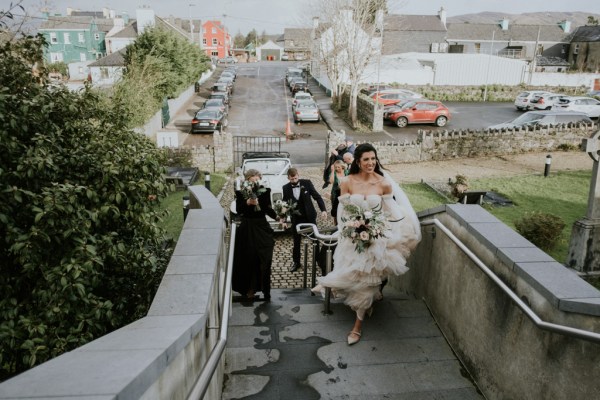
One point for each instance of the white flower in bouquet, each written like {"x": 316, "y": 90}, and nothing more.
{"x": 363, "y": 226}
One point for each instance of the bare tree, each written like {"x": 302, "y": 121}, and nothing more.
{"x": 346, "y": 48}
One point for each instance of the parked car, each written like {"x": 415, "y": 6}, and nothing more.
{"x": 228, "y": 81}
{"x": 208, "y": 120}
{"x": 216, "y": 104}
{"x": 300, "y": 86}
{"x": 228, "y": 60}
{"x": 390, "y": 109}
{"x": 419, "y": 111}
{"x": 285, "y": 57}
{"x": 228, "y": 74}
{"x": 586, "y": 105}
{"x": 394, "y": 95}
{"x": 523, "y": 98}
{"x": 594, "y": 93}
{"x": 220, "y": 87}
{"x": 306, "y": 111}
{"x": 221, "y": 95}
{"x": 293, "y": 80}
{"x": 369, "y": 90}
{"x": 293, "y": 73}
{"x": 301, "y": 96}
{"x": 545, "y": 101}
{"x": 544, "y": 118}
{"x": 273, "y": 167}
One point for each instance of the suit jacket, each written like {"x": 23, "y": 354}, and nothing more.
{"x": 304, "y": 203}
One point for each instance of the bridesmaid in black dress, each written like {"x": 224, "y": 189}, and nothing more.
{"x": 254, "y": 242}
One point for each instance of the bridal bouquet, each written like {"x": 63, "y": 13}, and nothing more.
{"x": 251, "y": 190}
{"x": 363, "y": 226}
{"x": 285, "y": 209}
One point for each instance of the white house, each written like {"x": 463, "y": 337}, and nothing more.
{"x": 108, "y": 70}
{"x": 269, "y": 51}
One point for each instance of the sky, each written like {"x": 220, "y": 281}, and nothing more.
{"x": 272, "y": 16}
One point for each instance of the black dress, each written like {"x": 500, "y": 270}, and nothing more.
{"x": 254, "y": 245}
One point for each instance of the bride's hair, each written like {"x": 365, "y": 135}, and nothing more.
{"x": 358, "y": 152}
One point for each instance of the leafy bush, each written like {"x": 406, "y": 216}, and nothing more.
{"x": 543, "y": 230}
{"x": 81, "y": 251}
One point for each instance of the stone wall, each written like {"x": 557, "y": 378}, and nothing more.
{"x": 368, "y": 115}
{"x": 436, "y": 145}
{"x": 216, "y": 157}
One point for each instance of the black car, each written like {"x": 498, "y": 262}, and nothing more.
{"x": 300, "y": 86}
{"x": 208, "y": 120}
{"x": 221, "y": 95}
{"x": 216, "y": 104}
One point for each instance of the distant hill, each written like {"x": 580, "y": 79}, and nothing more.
{"x": 577, "y": 18}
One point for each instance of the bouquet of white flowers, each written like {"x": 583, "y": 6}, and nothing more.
{"x": 285, "y": 209}
{"x": 362, "y": 226}
{"x": 251, "y": 190}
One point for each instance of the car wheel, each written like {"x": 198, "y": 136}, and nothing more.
{"x": 401, "y": 122}
{"x": 548, "y": 108}
{"x": 520, "y": 108}
{"x": 441, "y": 121}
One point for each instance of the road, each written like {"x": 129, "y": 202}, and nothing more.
{"x": 260, "y": 106}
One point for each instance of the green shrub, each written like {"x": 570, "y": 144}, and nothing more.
{"x": 543, "y": 230}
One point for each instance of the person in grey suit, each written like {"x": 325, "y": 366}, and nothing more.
{"x": 301, "y": 192}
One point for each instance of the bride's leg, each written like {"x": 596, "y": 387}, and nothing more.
{"x": 356, "y": 331}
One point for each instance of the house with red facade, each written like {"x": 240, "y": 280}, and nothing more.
{"x": 215, "y": 39}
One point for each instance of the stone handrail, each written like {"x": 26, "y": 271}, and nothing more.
{"x": 161, "y": 355}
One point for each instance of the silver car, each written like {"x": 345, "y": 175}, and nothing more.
{"x": 306, "y": 111}
{"x": 524, "y": 98}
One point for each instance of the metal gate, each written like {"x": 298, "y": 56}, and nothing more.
{"x": 243, "y": 144}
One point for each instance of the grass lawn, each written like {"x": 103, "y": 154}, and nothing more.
{"x": 173, "y": 222}
{"x": 563, "y": 194}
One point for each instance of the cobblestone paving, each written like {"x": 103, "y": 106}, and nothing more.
{"x": 281, "y": 278}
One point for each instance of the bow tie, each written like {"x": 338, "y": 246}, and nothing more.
{"x": 297, "y": 185}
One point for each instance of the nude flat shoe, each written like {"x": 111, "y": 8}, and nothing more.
{"x": 353, "y": 337}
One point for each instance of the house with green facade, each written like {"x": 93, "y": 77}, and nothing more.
{"x": 77, "y": 38}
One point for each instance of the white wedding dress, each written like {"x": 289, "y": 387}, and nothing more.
{"x": 356, "y": 277}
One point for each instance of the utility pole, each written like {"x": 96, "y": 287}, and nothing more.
{"x": 191, "y": 24}
{"x": 535, "y": 51}
{"x": 487, "y": 74}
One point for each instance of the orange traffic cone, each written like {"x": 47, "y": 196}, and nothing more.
{"x": 288, "y": 130}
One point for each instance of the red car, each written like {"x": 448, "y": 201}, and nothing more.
{"x": 419, "y": 112}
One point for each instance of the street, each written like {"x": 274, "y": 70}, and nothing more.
{"x": 260, "y": 106}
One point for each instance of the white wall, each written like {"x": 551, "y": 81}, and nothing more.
{"x": 561, "y": 79}
{"x": 114, "y": 74}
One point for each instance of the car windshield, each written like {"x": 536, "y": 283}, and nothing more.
{"x": 207, "y": 114}
{"x": 407, "y": 104}
{"x": 527, "y": 118}
{"x": 303, "y": 96}
{"x": 306, "y": 105}
{"x": 213, "y": 103}
{"x": 267, "y": 167}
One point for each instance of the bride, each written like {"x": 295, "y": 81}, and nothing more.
{"x": 359, "y": 272}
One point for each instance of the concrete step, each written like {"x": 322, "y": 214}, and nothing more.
{"x": 288, "y": 348}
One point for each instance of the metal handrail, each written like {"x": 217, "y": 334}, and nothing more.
{"x": 307, "y": 229}
{"x": 201, "y": 385}
{"x": 548, "y": 326}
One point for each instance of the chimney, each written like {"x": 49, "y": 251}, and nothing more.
{"x": 504, "y": 24}
{"x": 315, "y": 26}
{"x": 566, "y": 26}
{"x": 70, "y": 10}
{"x": 145, "y": 18}
{"x": 442, "y": 15}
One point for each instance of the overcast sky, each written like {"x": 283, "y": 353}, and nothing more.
{"x": 273, "y": 16}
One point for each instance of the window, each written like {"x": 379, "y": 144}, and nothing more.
{"x": 477, "y": 48}
{"x": 204, "y": 41}
{"x": 215, "y": 42}
{"x": 103, "y": 73}
{"x": 97, "y": 36}
{"x": 82, "y": 57}
{"x": 56, "y": 57}
{"x": 81, "y": 37}
{"x": 67, "y": 38}
{"x": 53, "y": 38}
{"x": 214, "y": 53}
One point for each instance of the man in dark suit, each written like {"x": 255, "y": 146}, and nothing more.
{"x": 301, "y": 192}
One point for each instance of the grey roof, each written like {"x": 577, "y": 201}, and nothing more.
{"x": 395, "y": 22}
{"x": 129, "y": 31}
{"x": 116, "y": 59}
{"x": 77, "y": 13}
{"x": 63, "y": 23}
{"x": 587, "y": 34}
{"x": 542, "y": 61}
{"x": 297, "y": 33}
{"x": 522, "y": 33}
